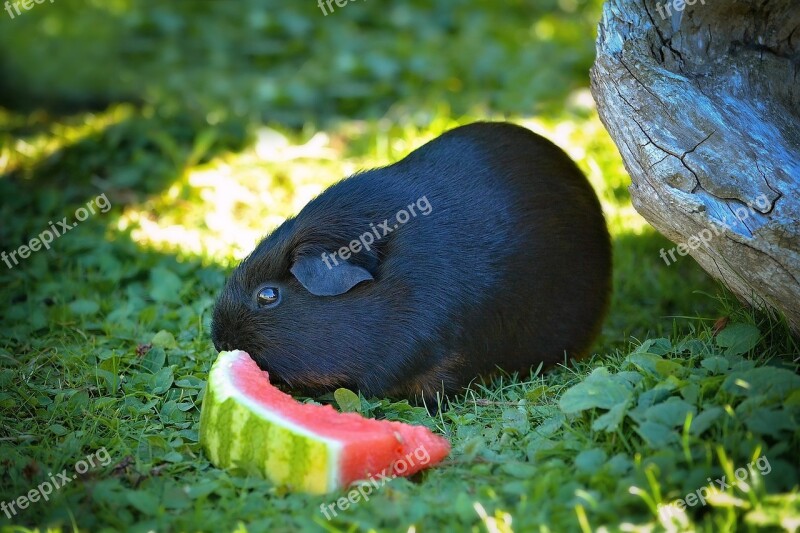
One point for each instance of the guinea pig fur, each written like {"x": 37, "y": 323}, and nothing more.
{"x": 501, "y": 260}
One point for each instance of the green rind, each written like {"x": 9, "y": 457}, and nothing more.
{"x": 234, "y": 436}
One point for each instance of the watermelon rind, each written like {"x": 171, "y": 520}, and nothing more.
{"x": 238, "y": 433}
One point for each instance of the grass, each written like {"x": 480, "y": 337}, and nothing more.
{"x": 105, "y": 345}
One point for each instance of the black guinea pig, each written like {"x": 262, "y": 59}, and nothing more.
{"x": 485, "y": 248}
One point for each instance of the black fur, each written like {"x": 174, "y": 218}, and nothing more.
{"x": 511, "y": 267}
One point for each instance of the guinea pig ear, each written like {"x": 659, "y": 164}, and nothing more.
{"x": 323, "y": 280}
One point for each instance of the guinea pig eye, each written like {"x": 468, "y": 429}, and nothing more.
{"x": 268, "y": 296}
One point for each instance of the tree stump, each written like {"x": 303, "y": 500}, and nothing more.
{"x": 703, "y": 102}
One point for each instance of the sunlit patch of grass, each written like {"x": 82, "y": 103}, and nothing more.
{"x": 27, "y": 140}
{"x": 220, "y": 209}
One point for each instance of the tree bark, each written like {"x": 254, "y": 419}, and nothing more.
{"x": 704, "y": 106}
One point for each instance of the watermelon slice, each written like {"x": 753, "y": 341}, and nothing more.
{"x": 247, "y": 423}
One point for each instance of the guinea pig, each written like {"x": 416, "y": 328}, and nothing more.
{"x": 484, "y": 249}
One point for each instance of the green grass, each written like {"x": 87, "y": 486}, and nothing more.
{"x": 200, "y": 150}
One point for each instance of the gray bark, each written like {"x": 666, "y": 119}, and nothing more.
{"x": 704, "y": 106}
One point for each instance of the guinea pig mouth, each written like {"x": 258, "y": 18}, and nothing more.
{"x": 276, "y": 377}
{"x": 321, "y": 381}
{"x": 276, "y": 380}
{"x": 309, "y": 382}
